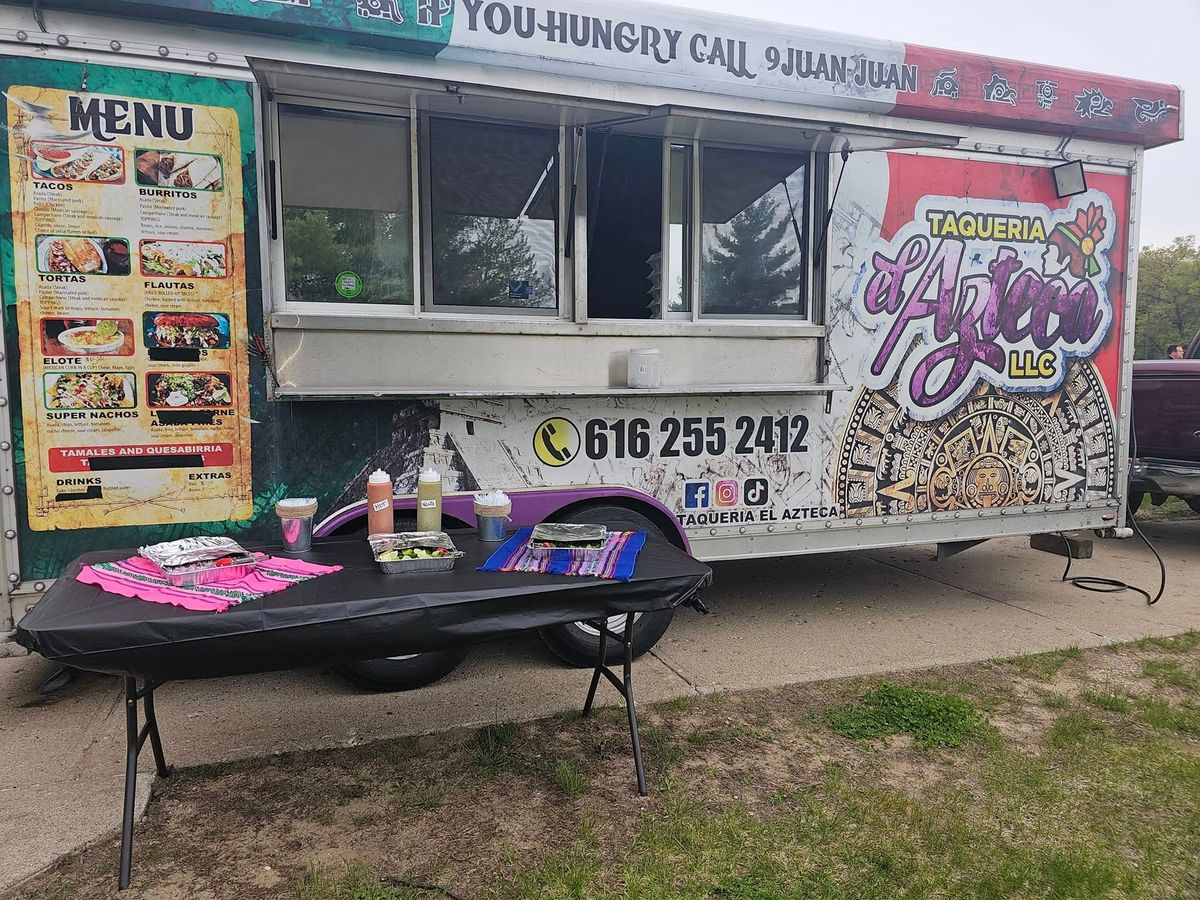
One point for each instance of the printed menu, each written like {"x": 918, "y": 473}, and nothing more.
{"x": 130, "y": 284}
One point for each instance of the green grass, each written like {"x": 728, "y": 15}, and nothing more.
{"x": 492, "y": 745}
{"x": 1109, "y": 700}
{"x": 1073, "y": 730}
{"x": 1179, "y": 643}
{"x": 1183, "y": 719}
{"x": 570, "y": 778}
{"x": 356, "y": 882}
{"x": 934, "y": 720}
{"x": 1170, "y": 672}
{"x": 1046, "y": 665}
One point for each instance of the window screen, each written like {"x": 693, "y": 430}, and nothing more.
{"x": 753, "y": 240}
{"x": 347, "y": 217}
{"x": 494, "y": 215}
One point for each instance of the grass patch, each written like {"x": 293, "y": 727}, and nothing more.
{"x": 1164, "y": 716}
{"x": 570, "y": 778}
{"x": 1055, "y": 700}
{"x": 357, "y": 882}
{"x": 934, "y": 720}
{"x": 1073, "y": 730}
{"x": 1179, "y": 643}
{"x": 659, "y": 750}
{"x": 1045, "y": 666}
{"x": 1169, "y": 672}
{"x": 1109, "y": 700}
{"x": 491, "y": 747}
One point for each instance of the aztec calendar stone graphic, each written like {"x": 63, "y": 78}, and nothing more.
{"x": 996, "y": 449}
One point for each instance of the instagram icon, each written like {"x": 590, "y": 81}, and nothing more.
{"x": 728, "y": 493}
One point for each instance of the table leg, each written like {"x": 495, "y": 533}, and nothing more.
{"x": 630, "y": 707}
{"x": 600, "y": 666}
{"x": 131, "y": 758}
{"x": 624, "y": 687}
{"x": 135, "y": 739}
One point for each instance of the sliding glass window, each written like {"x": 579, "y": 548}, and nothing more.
{"x": 347, "y": 206}
{"x": 493, "y": 213}
{"x": 753, "y": 235}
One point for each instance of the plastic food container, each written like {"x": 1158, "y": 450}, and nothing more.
{"x": 424, "y": 540}
{"x": 566, "y": 539}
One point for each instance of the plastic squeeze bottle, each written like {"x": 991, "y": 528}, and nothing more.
{"x": 380, "y": 519}
{"x": 429, "y": 501}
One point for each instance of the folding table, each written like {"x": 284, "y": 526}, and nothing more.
{"x": 355, "y": 614}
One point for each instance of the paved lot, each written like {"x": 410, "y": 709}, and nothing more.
{"x": 774, "y": 622}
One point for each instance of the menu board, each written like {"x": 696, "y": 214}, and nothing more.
{"x": 130, "y": 284}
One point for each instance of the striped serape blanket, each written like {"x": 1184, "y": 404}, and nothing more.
{"x": 139, "y": 578}
{"x": 616, "y": 561}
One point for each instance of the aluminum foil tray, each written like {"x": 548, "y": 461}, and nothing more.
{"x": 426, "y": 540}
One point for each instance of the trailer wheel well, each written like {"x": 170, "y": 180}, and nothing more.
{"x": 668, "y": 526}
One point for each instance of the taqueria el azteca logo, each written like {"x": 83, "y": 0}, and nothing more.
{"x": 974, "y": 290}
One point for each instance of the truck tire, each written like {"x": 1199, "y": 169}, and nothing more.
{"x": 398, "y": 673}
{"x": 578, "y": 644}
{"x": 402, "y": 673}
{"x": 1134, "y": 504}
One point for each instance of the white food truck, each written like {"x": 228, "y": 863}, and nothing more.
{"x": 261, "y": 248}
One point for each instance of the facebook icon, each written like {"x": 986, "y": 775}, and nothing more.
{"x": 696, "y": 495}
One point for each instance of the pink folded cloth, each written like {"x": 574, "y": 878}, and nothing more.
{"x": 139, "y": 578}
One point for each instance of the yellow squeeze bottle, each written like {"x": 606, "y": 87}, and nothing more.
{"x": 429, "y": 501}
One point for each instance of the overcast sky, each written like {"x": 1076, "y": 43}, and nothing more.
{"x": 1156, "y": 40}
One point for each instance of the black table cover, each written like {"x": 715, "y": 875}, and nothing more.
{"x": 358, "y": 613}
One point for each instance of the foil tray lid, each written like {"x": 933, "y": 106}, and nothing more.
{"x": 189, "y": 551}
{"x": 557, "y": 533}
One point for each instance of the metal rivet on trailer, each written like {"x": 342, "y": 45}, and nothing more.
{"x": 858, "y": 522}
{"x": 1089, "y": 506}
{"x": 3, "y": 401}
{"x": 978, "y": 146}
{"x": 799, "y": 526}
{"x": 5, "y": 445}
{"x": 909, "y": 519}
{"x": 13, "y": 577}
{"x": 981, "y": 514}
{"x": 63, "y": 40}
{"x": 712, "y": 531}
{"x": 1069, "y": 507}
{"x": 115, "y": 46}
{"x": 958, "y": 515}
{"x": 8, "y": 489}
{"x": 40, "y": 586}
{"x": 10, "y": 534}
{"x": 22, "y": 36}
{"x": 828, "y": 524}
{"x": 1000, "y": 148}
{"x": 885, "y": 520}
{"x": 770, "y": 528}
{"x": 1004, "y": 512}
{"x": 933, "y": 517}
{"x": 212, "y": 57}
{"x": 742, "y": 530}
{"x": 163, "y": 50}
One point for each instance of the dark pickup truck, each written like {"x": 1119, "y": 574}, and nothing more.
{"x": 1166, "y": 419}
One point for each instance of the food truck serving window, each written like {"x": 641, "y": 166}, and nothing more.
{"x": 753, "y": 233}
{"x": 346, "y": 205}
{"x": 493, "y": 216}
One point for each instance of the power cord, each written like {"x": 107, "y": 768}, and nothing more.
{"x": 1113, "y": 585}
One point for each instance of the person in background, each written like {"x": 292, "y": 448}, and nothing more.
{"x": 1176, "y": 351}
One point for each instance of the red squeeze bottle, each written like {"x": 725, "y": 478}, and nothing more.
{"x": 380, "y": 519}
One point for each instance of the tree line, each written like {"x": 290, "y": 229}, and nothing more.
{"x": 1168, "y": 300}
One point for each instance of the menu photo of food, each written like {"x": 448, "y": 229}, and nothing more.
{"x": 198, "y": 171}
{"x": 190, "y": 330}
{"x": 88, "y": 163}
{"x": 189, "y": 390}
{"x": 90, "y": 390}
{"x": 95, "y": 337}
{"x": 64, "y": 254}
{"x": 184, "y": 259}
